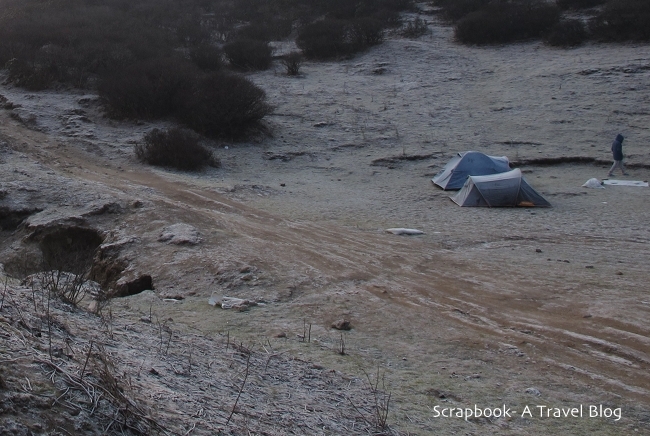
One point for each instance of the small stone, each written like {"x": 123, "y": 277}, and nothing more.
{"x": 589, "y": 266}
{"x": 245, "y": 270}
{"x": 342, "y": 324}
{"x": 619, "y": 273}
{"x": 538, "y": 250}
{"x": 533, "y": 391}
{"x": 283, "y": 184}
{"x": 587, "y": 316}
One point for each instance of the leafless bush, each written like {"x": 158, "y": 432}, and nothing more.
{"x": 377, "y": 417}
{"x": 292, "y": 62}
{"x": 415, "y": 28}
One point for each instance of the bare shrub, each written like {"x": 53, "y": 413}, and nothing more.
{"x": 415, "y": 28}
{"x": 292, "y": 62}
{"x": 623, "y": 20}
{"x": 175, "y": 148}
{"x": 224, "y": 105}
{"x": 567, "y": 33}
{"x": 67, "y": 259}
{"x": 248, "y": 54}
{"x": 506, "y": 22}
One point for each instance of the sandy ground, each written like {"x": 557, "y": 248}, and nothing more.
{"x": 522, "y": 307}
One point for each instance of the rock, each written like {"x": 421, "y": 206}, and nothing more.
{"x": 237, "y": 304}
{"x": 281, "y": 335}
{"x": 342, "y": 324}
{"x": 533, "y": 391}
{"x": 180, "y": 234}
{"x": 111, "y": 207}
{"x": 92, "y": 307}
{"x": 619, "y": 273}
{"x": 403, "y": 231}
{"x": 133, "y": 287}
{"x": 538, "y": 250}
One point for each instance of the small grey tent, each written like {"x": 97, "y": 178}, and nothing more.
{"x": 469, "y": 163}
{"x": 499, "y": 190}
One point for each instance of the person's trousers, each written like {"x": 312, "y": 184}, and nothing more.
{"x": 617, "y": 164}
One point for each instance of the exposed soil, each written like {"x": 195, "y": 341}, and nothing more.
{"x": 521, "y": 307}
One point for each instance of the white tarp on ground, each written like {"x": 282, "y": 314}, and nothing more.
{"x": 625, "y": 183}
{"x": 469, "y": 163}
{"x": 499, "y": 190}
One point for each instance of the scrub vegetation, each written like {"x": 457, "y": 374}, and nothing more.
{"x": 481, "y": 22}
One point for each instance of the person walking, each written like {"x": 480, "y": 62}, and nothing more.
{"x": 617, "y": 153}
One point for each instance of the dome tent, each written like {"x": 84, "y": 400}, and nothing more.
{"x": 508, "y": 189}
{"x": 469, "y": 163}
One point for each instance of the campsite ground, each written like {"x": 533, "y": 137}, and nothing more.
{"x": 522, "y": 307}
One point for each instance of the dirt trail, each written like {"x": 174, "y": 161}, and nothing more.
{"x": 494, "y": 303}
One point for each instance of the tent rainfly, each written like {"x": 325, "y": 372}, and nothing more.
{"x": 499, "y": 190}
{"x": 469, "y": 163}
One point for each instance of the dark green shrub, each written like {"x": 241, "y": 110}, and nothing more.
{"x": 71, "y": 42}
{"x": 454, "y": 10}
{"x": 174, "y": 148}
{"x": 270, "y": 29}
{"x": 207, "y": 57}
{"x": 506, "y": 22}
{"x": 366, "y": 32}
{"x": 325, "y": 39}
{"x": 224, "y": 105}
{"x": 579, "y": 4}
{"x": 567, "y": 33}
{"x": 623, "y": 20}
{"x": 249, "y": 54}
{"x": 148, "y": 89}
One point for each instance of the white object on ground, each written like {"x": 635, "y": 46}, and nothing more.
{"x": 594, "y": 183}
{"x": 625, "y": 183}
{"x": 402, "y": 231}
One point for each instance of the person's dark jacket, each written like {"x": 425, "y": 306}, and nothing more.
{"x": 617, "y": 147}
